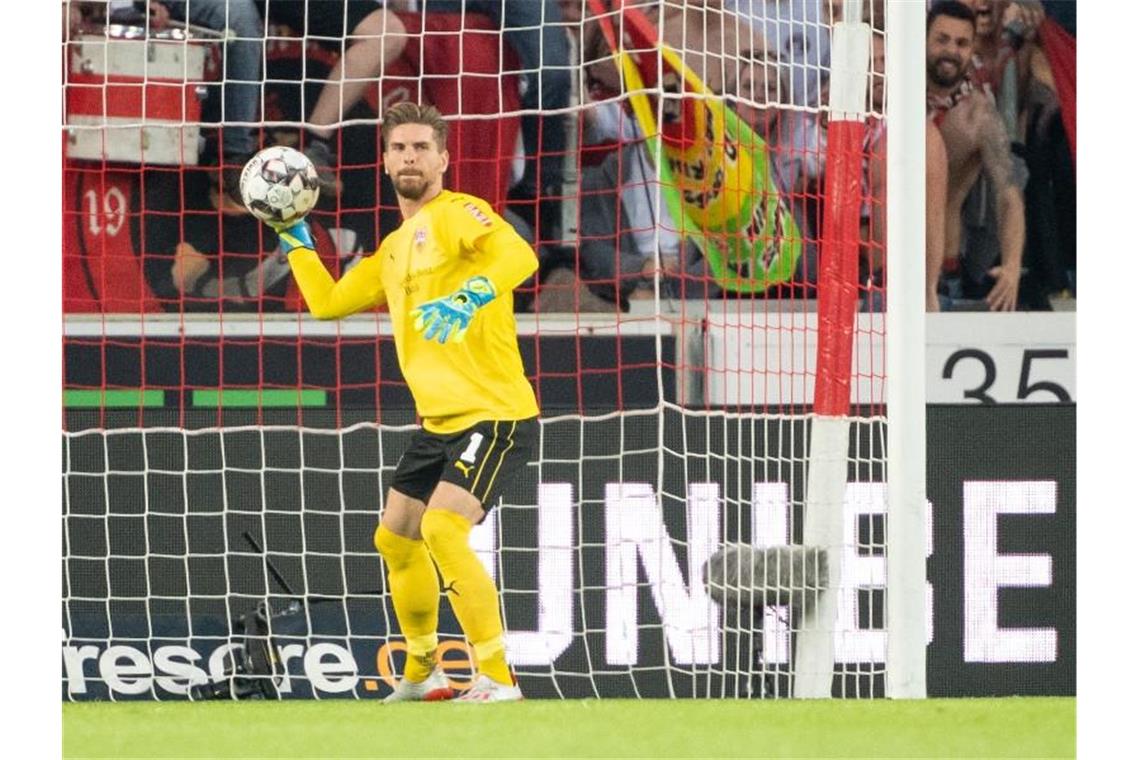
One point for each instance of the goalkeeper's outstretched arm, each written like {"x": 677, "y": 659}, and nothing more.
{"x": 327, "y": 298}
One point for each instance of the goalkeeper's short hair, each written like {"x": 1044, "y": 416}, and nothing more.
{"x": 415, "y": 113}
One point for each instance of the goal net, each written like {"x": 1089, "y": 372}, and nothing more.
{"x": 718, "y": 507}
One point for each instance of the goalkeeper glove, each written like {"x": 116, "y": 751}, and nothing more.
{"x": 447, "y": 318}
{"x": 295, "y": 234}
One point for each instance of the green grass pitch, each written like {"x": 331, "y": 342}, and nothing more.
{"x": 1008, "y": 727}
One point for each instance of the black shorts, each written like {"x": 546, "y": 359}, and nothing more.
{"x": 483, "y": 459}
{"x": 327, "y": 21}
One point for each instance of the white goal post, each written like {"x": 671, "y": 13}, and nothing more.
{"x": 906, "y": 324}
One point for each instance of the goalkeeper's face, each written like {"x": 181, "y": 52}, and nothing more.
{"x": 414, "y": 161}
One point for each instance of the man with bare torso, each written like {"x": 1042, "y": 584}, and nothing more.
{"x": 975, "y": 141}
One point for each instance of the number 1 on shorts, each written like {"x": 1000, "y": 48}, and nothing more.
{"x": 468, "y": 454}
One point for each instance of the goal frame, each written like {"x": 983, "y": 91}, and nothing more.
{"x": 906, "y": 349}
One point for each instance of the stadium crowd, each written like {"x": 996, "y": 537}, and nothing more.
{"x": 569, "y": 166}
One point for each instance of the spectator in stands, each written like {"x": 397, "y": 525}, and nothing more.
{"x": 1010, "y": 62}
{"x": 624, "y": 224}
{"x": 1005, "y": 33}
{"x": 241, "y": 67}
{"x": 366, "y": 36}
{"x": 976, "y": 144}
{"x": 723, "y": 51}
{"x": 798, "y": 38}
{"x": 758, "y": 99}
{"x": 617, "y": 224}
{"x": 831, "y": 12}
{"x": 1049, "y": 122}
{"x": 533, "y": 29}
{"x": 796, "y": 142}
{"x": 203, "y": 252}
{"x": 711, "y": 39}
{"x": 873, "y": 230}
{"x": 801, "y": 137}
{"x": 873, "y": 213}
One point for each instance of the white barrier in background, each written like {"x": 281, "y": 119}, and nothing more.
{"x": 769, "y": 358}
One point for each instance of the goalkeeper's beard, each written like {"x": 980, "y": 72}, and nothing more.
{"x": 411, "y": 192}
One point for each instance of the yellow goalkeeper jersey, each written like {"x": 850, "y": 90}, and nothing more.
{"x": 452, "y": 238}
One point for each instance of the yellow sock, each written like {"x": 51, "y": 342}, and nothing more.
{"x": 471, "y": 591}
{"x": 492, "y": 660}
{"x": 415, "y": 595}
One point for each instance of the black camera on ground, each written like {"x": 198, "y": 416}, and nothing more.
{"x": 254, "y": 670}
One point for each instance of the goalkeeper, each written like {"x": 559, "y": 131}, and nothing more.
{"x": 446, "y": 274}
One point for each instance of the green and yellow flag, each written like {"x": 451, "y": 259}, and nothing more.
{"x": 716, "y": 175}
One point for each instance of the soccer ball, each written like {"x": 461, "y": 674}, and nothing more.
{"x": 279, "y": 184}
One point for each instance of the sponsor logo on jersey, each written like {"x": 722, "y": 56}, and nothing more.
{"x": 475, "y": 211}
